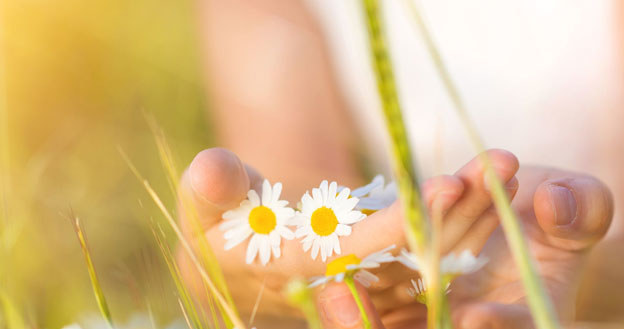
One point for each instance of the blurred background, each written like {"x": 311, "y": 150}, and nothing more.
{"x": 77, "y": 78}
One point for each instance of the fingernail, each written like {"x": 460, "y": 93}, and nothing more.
{"x": 341, "y": 311}
{"x": 563, "y": 203}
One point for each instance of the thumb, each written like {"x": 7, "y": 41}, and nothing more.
{"x": 575, "y": 212}
{"x": 339, "y": 310}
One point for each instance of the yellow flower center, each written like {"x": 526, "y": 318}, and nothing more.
{"x": 339, "y": 265}
{"x": 262, "y": 220}
{"x": 324, "y": 221}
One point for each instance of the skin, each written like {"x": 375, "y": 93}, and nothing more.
{"x": 493, "y": 297}
{"x": 279, "y": 108}
{"x": 217, "y": 181}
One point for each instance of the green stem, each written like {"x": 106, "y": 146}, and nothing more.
{"x": 417, "y": 228}
{"x": 351, "y": 284}
{"x": 539, "y": 302}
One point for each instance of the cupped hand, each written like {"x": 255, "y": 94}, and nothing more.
{"x": 217, "y": 181}
{"x": 563, "y": 213}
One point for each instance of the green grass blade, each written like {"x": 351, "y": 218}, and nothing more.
{"x": 230, "y": 312}
{"x": 538, "y": 300}
{"x": 95, "y": 283}
{"x": 403, "y": 167}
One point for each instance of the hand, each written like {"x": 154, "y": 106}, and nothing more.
{"x": 564, "y": 214}
{"x": 217, "y": 181}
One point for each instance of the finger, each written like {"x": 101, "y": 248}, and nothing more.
{"x": 476, "y": 199}
{"x": 387, "y": 225}
{"x": 575, "y": 212}
{"x": 441, "y": 192}
{"x": 215, "y": 181}
{"x": 493, "y": 316}
{"x": 478, "y": 234}
{"x": 338, "y": 309}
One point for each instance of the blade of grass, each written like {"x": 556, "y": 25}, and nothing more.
{"x": 208, "y": 258}
{"x": 95, "y": 283}
{"x": 403, "y": 167}
{"x": 418, "y": 230}
{"x": 538, "y": 300}
{"x": 229, "y": 311}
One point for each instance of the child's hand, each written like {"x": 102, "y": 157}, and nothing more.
{"x": 217, "y": 181}
{"x": 564, "y": 215}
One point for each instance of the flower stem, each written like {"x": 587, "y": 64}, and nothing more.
{"x": 539, "y": 302}
{"x": 351, "y": 284}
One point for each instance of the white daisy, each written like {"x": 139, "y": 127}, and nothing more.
{"x": 450, "y": 265}
{"x": 324, "y": 217}
{"x": 350, "y": 264}
{"x": 264, "y": 219}
{"x": 375, "y": 195}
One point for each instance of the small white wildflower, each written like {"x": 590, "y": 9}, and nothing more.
{"x": 375, "y": 195}
{"x": 324, "y": 217}
{"x": 265, "y": 219}
{"x": 352, "y": 265}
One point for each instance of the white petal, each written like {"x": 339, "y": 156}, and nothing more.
{"x": 335, "y": 243}
{"x": 234, "y": 241}
{"x": 343, "y": 195}
{"x": 361, "y": 191}
{"x": 266, "y": 192}
{"x": 315, "y": 248}
{"x": 318, "y": 282}
{"x": 365, "y": 277}
{"x": 351, "y": 217}
{"x": 307, "y": 245}
{"x": 343, "y": 230}
{"x": 252, "y": 249}
{"x": 274, "y": 238}
{"x": 371, "y": 203}
{"x": 277, "y": 190}
{"x": 331, "y": 194}
{"x": 347, "y": 205}
{"x": 285, "y": 232}
{"x": 253, "y": 197}
{"x": 324, "y": 246}
{"x": 265, "y": 250}
{"x": 229, "y": 224}
{"x": 318, "y": 198}
{"x": 302, "y": 231}
{"x": 236, "y": 231}
{"x": 339, "y": 277}
{"x": 277, "y": 252}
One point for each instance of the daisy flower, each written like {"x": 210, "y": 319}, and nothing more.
{"x": 324, "y": 217}
{"x": 375, "y": 195}
{"x": 264, "y": 219}
{"x": 451, "y": 265}
{"x": 351, "y": 266}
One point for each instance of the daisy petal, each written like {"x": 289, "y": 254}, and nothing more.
{"x": 266, "y": 192}
{"x": 252, "y": 249}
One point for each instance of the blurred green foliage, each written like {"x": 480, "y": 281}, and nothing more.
{"x": 78, "y": 77}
